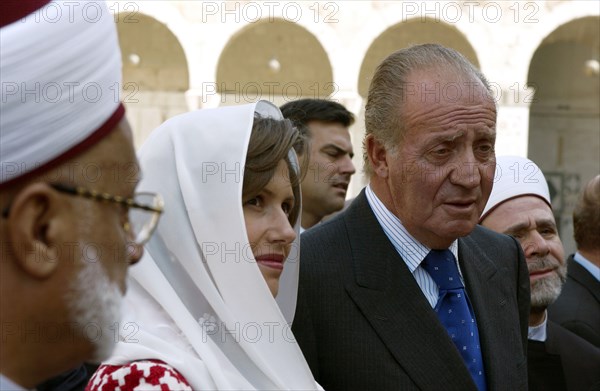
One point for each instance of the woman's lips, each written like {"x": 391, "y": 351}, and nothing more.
{"x": 273, "y": 261}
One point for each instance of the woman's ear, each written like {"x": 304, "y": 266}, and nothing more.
{"x": 34, "y": 212}
{"x": 377, "y": 154}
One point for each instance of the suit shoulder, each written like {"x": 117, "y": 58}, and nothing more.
{"x": 483, "y": 234}
{"x": 572, "y": 343}
{"x": 324, "y": 232}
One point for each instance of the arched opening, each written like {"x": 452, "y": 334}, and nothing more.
{"x": 274, "y": 60}
{"x": 411, "y": 32}
{"x": 155, "y": 72}
{"x": 564, "y": 120}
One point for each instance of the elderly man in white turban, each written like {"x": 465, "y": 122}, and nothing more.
{"x": 520, "y": 206}
{"x": 71, "y": 223}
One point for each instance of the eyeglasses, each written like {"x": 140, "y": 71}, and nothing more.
{"x": 143, "y": 210}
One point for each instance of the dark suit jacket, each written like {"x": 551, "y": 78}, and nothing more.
{"x": 363, "y": 323}
{"x": 578, "y": 306}
{"x": 563, "y": 360}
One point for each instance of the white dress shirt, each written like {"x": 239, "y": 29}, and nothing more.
{"x": 8, "y": 385}
{"x": 411, "y": 250}
{"x": 538, "y": 333}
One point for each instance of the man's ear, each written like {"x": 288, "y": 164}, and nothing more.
{"x": 377, "y": 154}
{"x": 34, "y": 216}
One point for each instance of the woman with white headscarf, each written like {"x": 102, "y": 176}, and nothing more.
{"x": 198, "y": 312}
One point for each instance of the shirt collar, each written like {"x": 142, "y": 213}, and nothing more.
{"x": 538, "y": 333}
{"x": 589, "y": 266}
{"x": 7, "y": 384}
{"x": 410, "y": 249}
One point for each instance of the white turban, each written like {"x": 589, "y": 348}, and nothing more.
{"x": 515, "y": 177}
{"x": 61, "y": 72}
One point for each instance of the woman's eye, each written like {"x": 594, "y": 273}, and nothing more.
{"x": 256, "y": 201}
{"x": 287, "y": 208}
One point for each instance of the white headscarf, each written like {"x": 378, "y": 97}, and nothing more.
{"x": 197, "y": 299}
{"x": 61, "y": 75}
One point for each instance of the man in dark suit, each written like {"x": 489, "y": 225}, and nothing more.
{"x": 578, "y": 306}
{"x": 327, "y": 155}
{"x": 381, "y": 283}
{"x": 520, "y": 206}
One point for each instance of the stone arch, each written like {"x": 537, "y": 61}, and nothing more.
{"x": 410, "y": 32}
{"x": 152, "y": 55}
{"x": 272, "y": 59}
{"x": 155, "y": 72}
{"x": 565, "y": 113}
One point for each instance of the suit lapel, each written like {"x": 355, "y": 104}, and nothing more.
{"x": 480, "y": 275}
{"x": 390, "y": 299}
{"x": 583, "y": 277}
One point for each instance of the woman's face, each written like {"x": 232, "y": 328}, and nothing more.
{"x": 269, "y": 230}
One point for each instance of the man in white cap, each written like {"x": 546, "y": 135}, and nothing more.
{"x": 520, "y": 206}
{"x": 71, "y": 223}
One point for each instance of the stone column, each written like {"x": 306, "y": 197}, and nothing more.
{"x": 512, "y": 125}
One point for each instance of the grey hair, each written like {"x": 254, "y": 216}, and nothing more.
{"x": 388, "y": 89}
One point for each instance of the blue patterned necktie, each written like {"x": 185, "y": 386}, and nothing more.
{"x": 455, "y": 312}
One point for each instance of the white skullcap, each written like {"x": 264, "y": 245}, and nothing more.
{"x": 60, "y": 65}
{"x": 516, "y": 176}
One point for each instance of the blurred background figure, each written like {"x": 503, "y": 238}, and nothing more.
{"x": 67, "y": 233}
{"x": 520, "y": 206}
{"x": 327, "y": 155}
{"x": 578, "y": 306}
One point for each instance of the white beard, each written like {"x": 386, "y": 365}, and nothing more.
{"x": 545, "y": 291}
{"x": 95, "y": 307}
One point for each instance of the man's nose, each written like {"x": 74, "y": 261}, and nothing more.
{"x": 346, "y": 166}
{"x": 535, "y": 246}
{"x": 467, "y": 170}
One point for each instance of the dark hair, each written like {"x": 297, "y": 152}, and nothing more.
{"x": 303, "y": 111}
{"x": 586, "y": 216}
{"x": 388, "y": 89}
{"x": 270, "y": 142}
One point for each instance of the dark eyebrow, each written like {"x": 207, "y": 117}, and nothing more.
{"x": 447, "y": 138}
{"x": 271, "y": 194}
{"x": 522, "y": 226}
{"x": 515, "y": 228}
{"x": 544, "y": 223}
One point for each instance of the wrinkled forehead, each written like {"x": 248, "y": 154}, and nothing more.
{"x": 446, "y": 84}
{"x": 523, "y": 208}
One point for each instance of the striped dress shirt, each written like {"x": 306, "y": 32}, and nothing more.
{"x": 411, "y": 251}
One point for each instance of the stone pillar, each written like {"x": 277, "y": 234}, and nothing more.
{"x": 512, "y": 125}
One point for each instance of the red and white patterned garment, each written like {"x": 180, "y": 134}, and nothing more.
{"x": 152, "y": 375}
